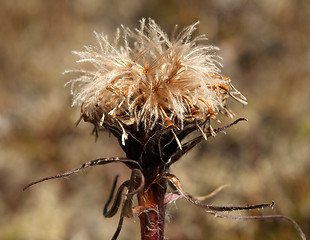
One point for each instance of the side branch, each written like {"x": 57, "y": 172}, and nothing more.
{"x": 101, "y": 161}
{"x": 176, "y": 183}
{"x": 111, "y": 212}
{"x": 217, "y": 209}
{"x": 297, "y": 227}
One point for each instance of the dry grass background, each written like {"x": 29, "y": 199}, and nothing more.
{"x": 266, "y": 50}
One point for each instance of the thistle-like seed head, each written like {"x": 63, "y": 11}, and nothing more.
{"x": 150, "y": 81}
{"x": 145, "y": 82}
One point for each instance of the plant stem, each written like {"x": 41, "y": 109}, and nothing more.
{"x": 152, "y": 218}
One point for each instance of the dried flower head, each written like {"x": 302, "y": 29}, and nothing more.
{"x": 146, "y": 80}
{"x": 151, "y": 92}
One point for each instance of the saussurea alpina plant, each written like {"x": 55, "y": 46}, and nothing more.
{"x": 151, "y": 92}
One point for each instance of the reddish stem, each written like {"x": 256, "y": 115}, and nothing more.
{"x": 152, "y": 217}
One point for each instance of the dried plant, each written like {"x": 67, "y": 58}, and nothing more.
{"x": 151, "y": 91}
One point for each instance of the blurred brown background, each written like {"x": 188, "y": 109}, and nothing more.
{"x": 265, "y": 46}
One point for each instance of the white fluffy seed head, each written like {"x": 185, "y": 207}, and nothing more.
{"x": 146, "y": 80}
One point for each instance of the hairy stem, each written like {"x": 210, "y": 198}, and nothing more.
{"x": 152, "y": 214}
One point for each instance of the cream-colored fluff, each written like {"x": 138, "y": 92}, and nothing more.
{"x": 147, "y": 80}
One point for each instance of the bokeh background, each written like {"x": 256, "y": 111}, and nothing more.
{"x": 266, "y": 51}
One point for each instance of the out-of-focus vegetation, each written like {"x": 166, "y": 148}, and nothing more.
{"x": 266, "y": 51}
